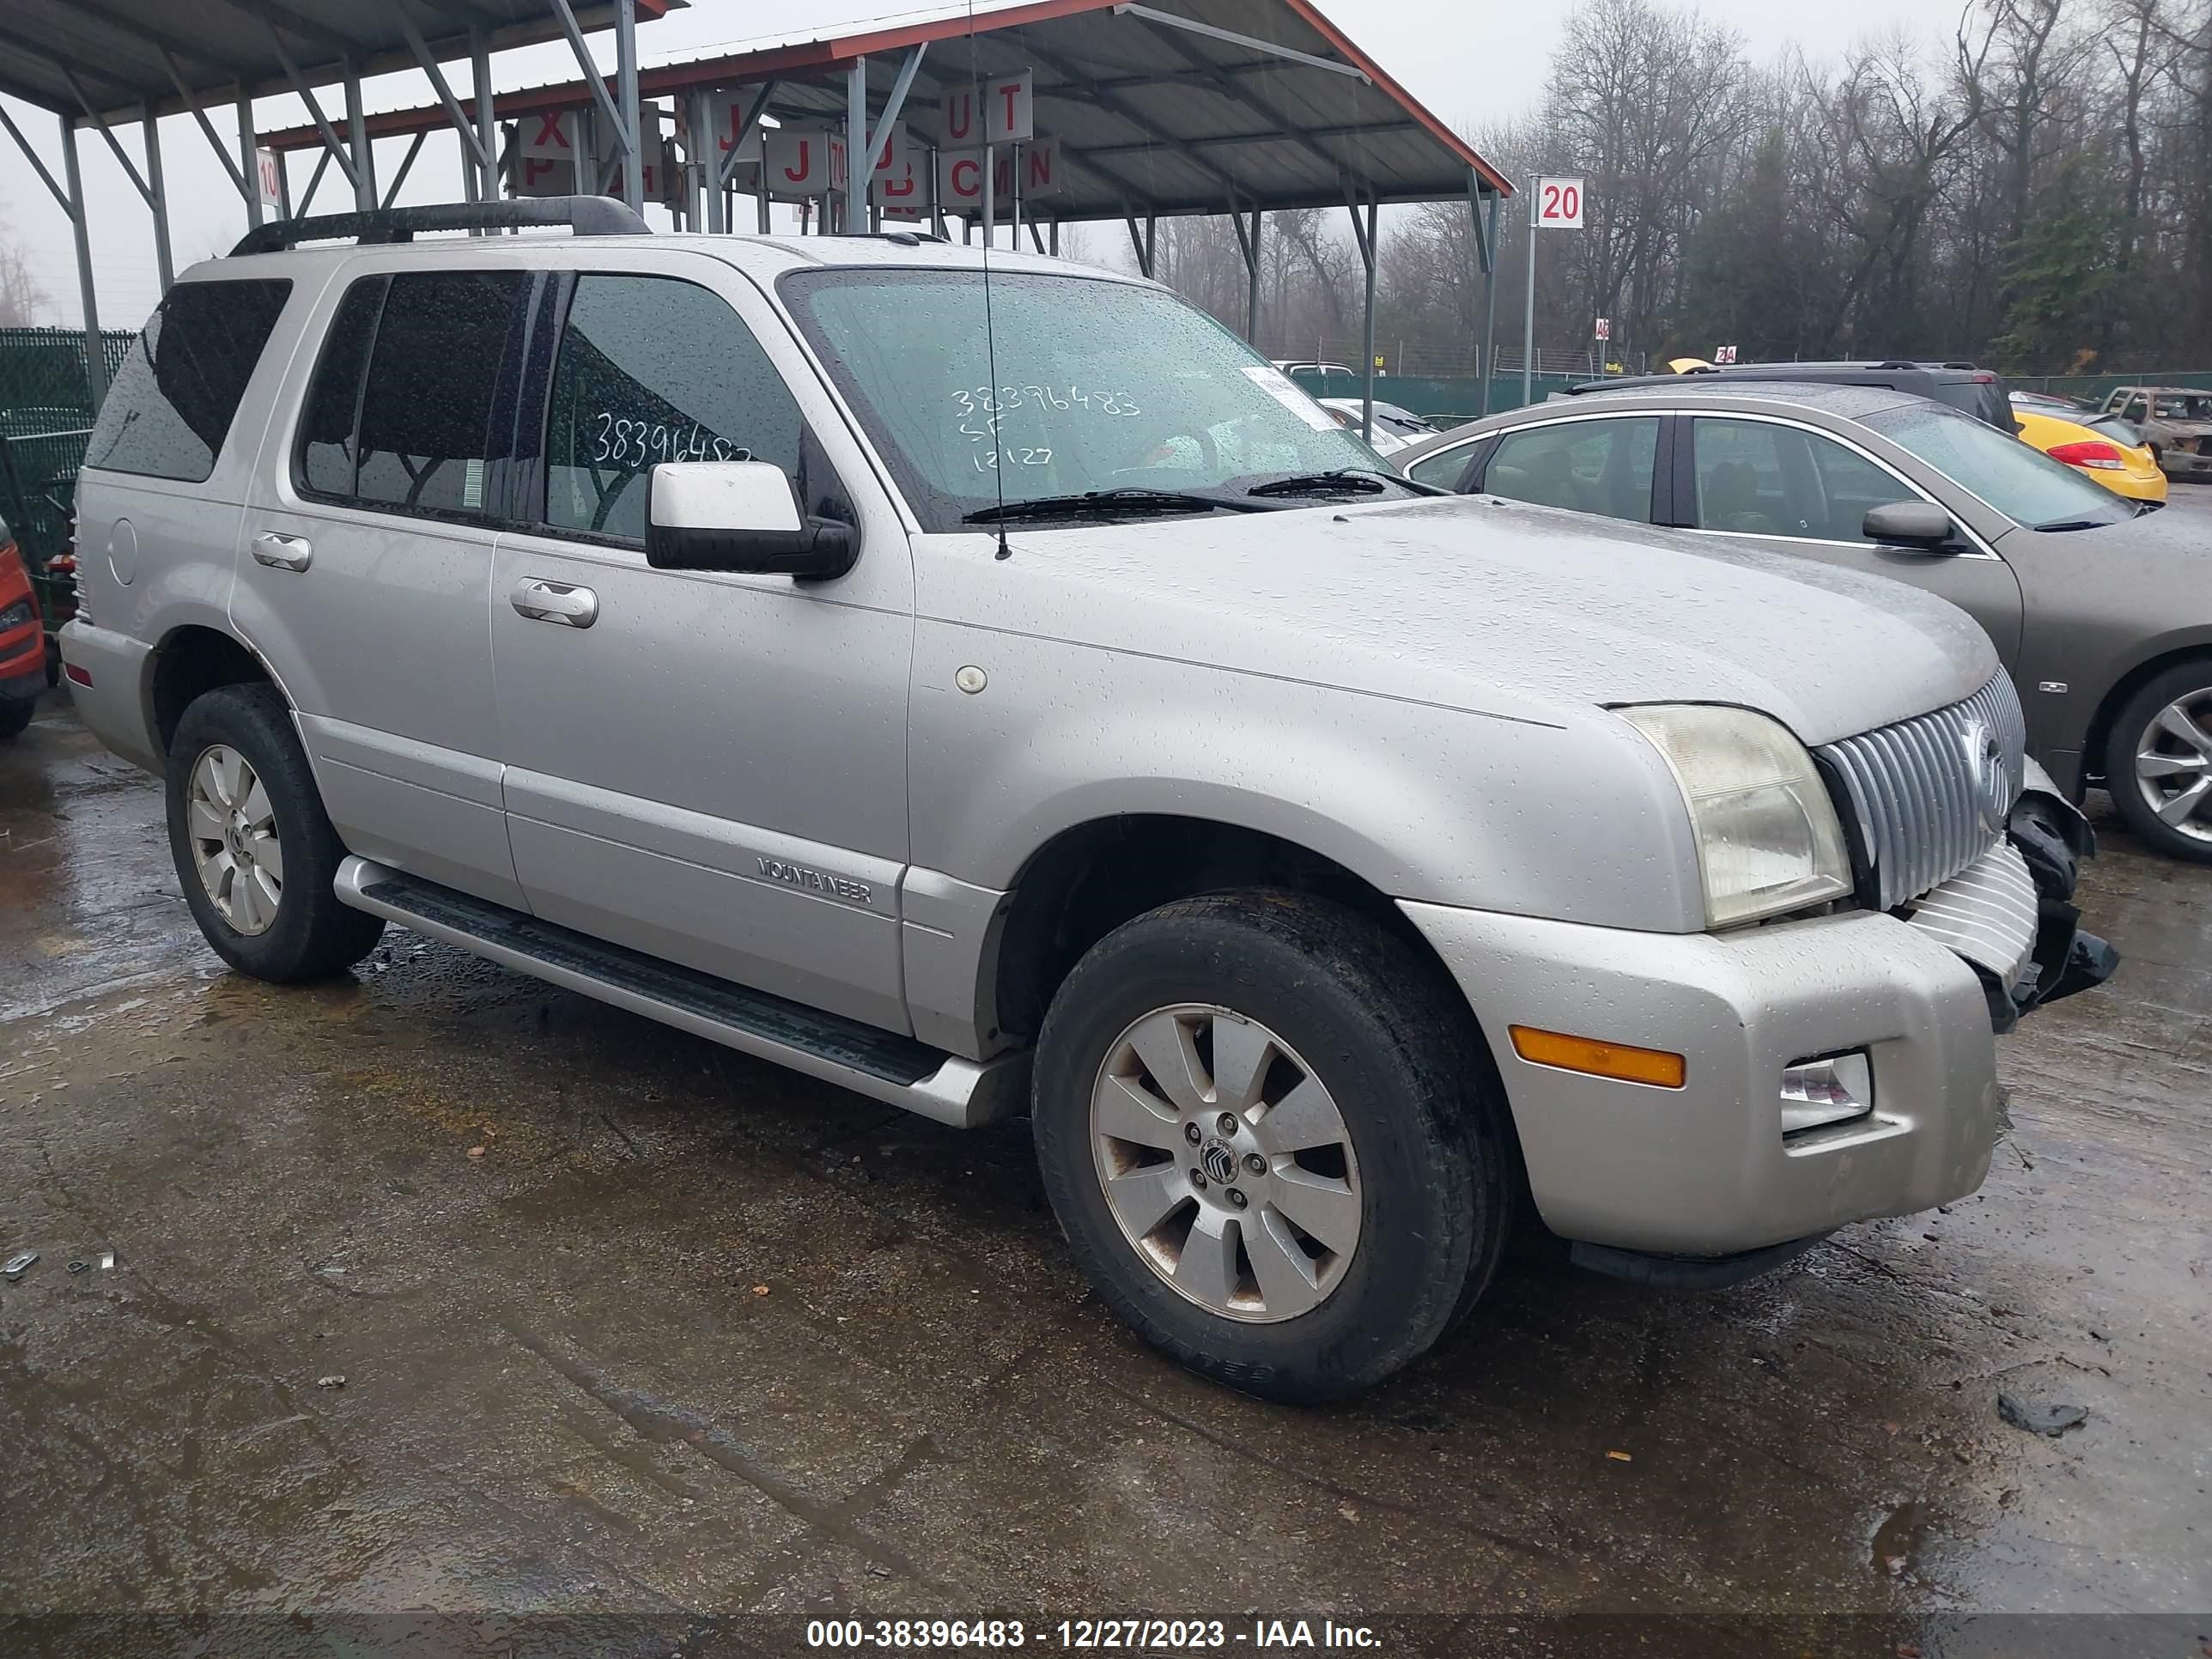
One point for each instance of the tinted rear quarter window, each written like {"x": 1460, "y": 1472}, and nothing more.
{"x": 327, "y": 427}
{"x": 173, "y": 401}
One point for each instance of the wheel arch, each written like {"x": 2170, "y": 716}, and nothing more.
{"x": 1092, "y": 876}
{"x": 2168, "y": 655}
{"x": 190, "y": 659}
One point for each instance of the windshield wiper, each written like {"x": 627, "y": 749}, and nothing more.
{"x": 1093, "y": 503}
{"x": 2075, "y": 524}
{"x": 1340, "y": 481}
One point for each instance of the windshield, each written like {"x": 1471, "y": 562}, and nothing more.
{"x": 2024, "y": 484}
{"x": 2184, "y": 409}
{"x": 1101, "y": 385}
{"x": 2117, "y": 429}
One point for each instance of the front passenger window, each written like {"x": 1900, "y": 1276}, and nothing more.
{"x": 653, "y": 369}
{"x": 1601, "y": 466}
{"x": 1758, "y": 478}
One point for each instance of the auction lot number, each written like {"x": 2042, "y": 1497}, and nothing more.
{"x": 1133, "y": 1635}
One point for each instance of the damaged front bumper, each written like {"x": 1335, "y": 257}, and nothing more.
{"x": 2008, "y": 915}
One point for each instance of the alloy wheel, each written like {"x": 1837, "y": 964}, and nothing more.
{"x": 1227, "y": 1163}
{"x": 232, "y": 828}
{"x": 2174, "y": 765}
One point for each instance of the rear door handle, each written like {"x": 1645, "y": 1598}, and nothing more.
{"x": 282, "y": 552}
{"x": 558, "y": 603}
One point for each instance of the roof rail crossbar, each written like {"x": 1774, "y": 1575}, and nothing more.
{"x": 587, "y": 215}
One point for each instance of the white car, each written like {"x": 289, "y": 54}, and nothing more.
{"x": 1394, "y": 427}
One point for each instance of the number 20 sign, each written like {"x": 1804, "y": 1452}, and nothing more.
{"x": 1559, "y": 203}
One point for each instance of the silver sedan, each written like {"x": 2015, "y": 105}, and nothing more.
{"x": 2102, "y": 613}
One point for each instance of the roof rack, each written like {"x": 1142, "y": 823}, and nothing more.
{"x": 587, "y": 215}
{"x": 903, "y": 237}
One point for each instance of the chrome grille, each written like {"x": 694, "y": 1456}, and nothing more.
{"x": 1912, "y": 788}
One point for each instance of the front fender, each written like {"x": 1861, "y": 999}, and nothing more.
{"x": 1576, "y": 821}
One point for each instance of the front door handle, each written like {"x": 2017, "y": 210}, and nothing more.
{"x": 282, "y": 552}
{"x": 558, "y": 603}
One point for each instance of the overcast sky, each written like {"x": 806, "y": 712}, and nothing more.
{"x": 1468, "y": 64}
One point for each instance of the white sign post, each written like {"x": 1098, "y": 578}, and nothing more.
{"x": 1553, "y": 205}
{"x": 1724, "y": 357}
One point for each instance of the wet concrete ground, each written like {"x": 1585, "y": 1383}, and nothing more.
{"x": 690, "y": 1334}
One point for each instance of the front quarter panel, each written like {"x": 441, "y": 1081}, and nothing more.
{"x": 1578, "y": 820}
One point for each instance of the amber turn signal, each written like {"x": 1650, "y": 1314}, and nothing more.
{"x": 1655, "y": 1066}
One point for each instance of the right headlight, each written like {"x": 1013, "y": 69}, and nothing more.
{"x": 1768, "y": 841}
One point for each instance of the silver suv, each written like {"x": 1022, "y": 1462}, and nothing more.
{"x": 998, "y": 689}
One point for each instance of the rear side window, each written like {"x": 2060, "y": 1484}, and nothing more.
{"x": 173, "y": 399}
{"x": 327, "y": 459}
{"x": 1603, "y": 467}
{"x": 412, "y": 402}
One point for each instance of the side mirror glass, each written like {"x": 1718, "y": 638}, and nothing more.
{"x": 741, "y": 516}
{"x": 1921, "y": 525}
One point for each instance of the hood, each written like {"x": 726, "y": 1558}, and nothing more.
{"x": 1524, "y": 612}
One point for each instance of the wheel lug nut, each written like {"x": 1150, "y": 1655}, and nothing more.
{"x": 1256, "y": 1163}
{"x": 1198, "y": 1177}
{"x": 1190, "y": 1132}
{"x": 1236, "y": 1199}
{"x": 1227, "y": 1123}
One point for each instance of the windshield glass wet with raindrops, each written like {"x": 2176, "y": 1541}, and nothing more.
{"x": 2024, "y": 484}
{"x": 1100, "y": 386}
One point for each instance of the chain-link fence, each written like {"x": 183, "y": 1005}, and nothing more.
{"x": 42, "y": 383}
{"x": 45, "y": 417}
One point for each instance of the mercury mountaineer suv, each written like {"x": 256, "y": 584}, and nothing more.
{"x": 982, "y": 683}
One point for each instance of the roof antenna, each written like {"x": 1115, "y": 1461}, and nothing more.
{"x": 990, "y": 340}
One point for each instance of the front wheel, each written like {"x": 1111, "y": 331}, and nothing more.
{"x": 16, "y": 714}
{"x": 2158, "y": 762}
{"x": 1274, "y": 1141}
{"x": 254, "y": 850}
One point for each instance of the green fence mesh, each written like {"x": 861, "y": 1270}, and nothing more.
{"x": 42, "y": 384}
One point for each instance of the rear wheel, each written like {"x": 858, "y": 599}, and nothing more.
{"x": 254, "y": 850}
{"x": 1274, "y": 1141}
{"x": 2158, "y": 761}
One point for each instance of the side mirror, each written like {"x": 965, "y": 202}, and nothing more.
{"x": 1922, "y": 525}
{"x": 740, "y": 515}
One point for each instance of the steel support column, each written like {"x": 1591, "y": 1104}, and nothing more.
{"x": 95, "y": 348}
{"x": 626, "y": 86}
{"x": 858, "y": 163}
{"x": 487, "y": 124}
{"x": 160, "y": 191}
{"x": 1493, "y": 246}
{"x": 364, "y": 161}
{"x": 1364, "y": 235}
{"x": 1248, "y": 244}
{"x": 249, "y": 159}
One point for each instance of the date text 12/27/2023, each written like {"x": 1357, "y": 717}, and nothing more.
{"x": 1136, "y": 1635}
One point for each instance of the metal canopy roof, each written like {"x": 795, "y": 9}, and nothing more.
{"x": 1186, "y": 106}
{"x": 125, "y": 54}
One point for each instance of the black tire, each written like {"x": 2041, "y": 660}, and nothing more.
{"x": 2131, "y": 731}
{"x": 1409, "y": 1074}
{"x": 15, "y": 714}
{"x": 313, "y": 935}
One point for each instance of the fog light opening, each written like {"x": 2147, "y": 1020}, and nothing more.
{"x": 1818, "y": 1094}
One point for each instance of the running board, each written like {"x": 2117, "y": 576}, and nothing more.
{"x": 881, "y": 1065}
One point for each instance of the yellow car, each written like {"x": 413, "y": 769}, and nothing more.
{"x": 2106, "y": 452}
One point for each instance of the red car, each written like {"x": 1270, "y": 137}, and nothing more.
{"x": 22, "y": 643}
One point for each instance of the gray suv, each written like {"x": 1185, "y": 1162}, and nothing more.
{"x": 996, "y": 689}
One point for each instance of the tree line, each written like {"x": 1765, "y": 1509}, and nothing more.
{"x": 2036, "y": 195}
